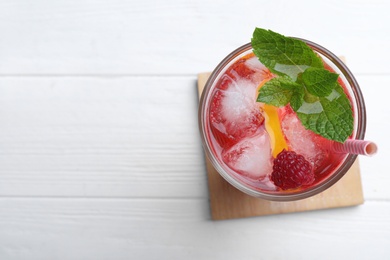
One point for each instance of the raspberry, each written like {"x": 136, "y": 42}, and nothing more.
{"x": 291, "y": 170}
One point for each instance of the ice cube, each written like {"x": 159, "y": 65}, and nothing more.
{"x": 234, "y": 112}
{"x": 251, "y": 157}
{"x": 301, "y": 140}
{"x": 254, "y": 64}
{"x": 240, "y": 109}
{"x": 261, "y": 72}
{"x": 239, "y": 100}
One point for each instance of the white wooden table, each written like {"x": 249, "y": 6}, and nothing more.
{"x": 100, "y": 156}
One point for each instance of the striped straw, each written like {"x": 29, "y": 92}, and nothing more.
{"x": 355, "y": 147}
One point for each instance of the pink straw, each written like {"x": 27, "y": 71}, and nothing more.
{"x": 355, "y": 147}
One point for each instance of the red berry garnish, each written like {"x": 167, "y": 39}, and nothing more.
{"x": 291, "y": 170}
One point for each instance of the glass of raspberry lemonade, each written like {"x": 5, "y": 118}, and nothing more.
{"x": 265, "y": 150}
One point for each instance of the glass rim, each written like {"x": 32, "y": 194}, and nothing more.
{"x": 288, "y": 196}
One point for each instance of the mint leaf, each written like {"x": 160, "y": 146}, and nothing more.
{"x": 312, "y": 91}
{"x": 319, "y": 82}
{"x": 330, "y": 116}
{"x": 283, "y": 55}
{"x": 297, "y": 98}
{"x": 279, "y": 92}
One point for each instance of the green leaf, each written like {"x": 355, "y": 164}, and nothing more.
{"x": 278, "y": 91}
{"x": 319, "y": 82}
{"x": 297, "y": 97}
{"x": 330, "y": 116}
{"x": 312, "y": 91}
{"x": 283, "y": 55}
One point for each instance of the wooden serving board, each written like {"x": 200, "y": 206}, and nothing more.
{"x": 227, "y": 202}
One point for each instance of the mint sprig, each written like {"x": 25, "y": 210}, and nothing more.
{"x": 312, "y": 91}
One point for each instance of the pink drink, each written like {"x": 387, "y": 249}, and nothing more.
{"x": 243, "y": 137}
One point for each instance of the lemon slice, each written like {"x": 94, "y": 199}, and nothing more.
{"x": 272, "y": 125}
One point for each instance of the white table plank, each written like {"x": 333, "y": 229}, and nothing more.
{"x": 127, "y": 137}
{"x": 173, "y": 229}
{"x": 100, "y": 137}
{"x": 375, "y": 169}
{"x": 176, "y": 37}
